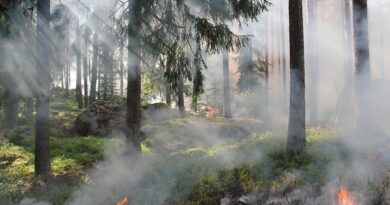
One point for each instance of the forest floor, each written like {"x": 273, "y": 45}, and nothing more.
{"x": 189, "y": 161}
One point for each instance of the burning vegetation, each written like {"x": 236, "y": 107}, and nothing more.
{"x": 124, "y": 201}
{"x": 344, "y": 197}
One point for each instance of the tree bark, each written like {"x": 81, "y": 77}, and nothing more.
{"x": 133, "y": 118}
{"x": 95, "y": 54}
{"x": 313, "y": 63}
{"x": 111, "y": 72}
{"x": 168, "y": 88}
{"x": 382, "y": 43}
{"x": 10, "y": 83}
{"x": 266, "y": 61}
{"x": 362, "y": 64}
{"x": 121, "y": 68}
{"x": 345, "y": 107}
{"x": 282, "y": 56}
{"x": 99, "y": 79}
{"x": 194, "y": 104}
{"x": 227, "y": 113}
{"x": 29, "y": 109}
{"x": 42, "y": 142}
{"x": 85, "y": 64}
{"x": 106, "y": 70}
{"x": 11, "y": 104}
{"x": 79, "y": 95}
{"x": 67, "y": 66}
{"x": 296, "y": 141}
{"x": 180, "y": 96}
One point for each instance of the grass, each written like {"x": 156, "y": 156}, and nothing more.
{"x": 269, "y": 173}
{"x": 190, "y": 157}
{"x": 201, "y": 174}
{"x": 70, "y": 157}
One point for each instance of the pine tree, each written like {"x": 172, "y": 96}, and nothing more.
{"x": 296, "y": 140}
{"x": 85, "y": 64}
{"x": 248, "y": 70}
{"x": 42, "y": 148}
{"x": 77, "y": 50}
{"x": 94, "y": 71}
{"x": 362, "y": 64}
{"x": 312, "y": 62}
{"x": 133, "y": 119}
{"x": 227, "y": 113}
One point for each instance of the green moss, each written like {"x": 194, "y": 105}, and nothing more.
{"x": 194, "y": 167}
{"x": 319, "y": 134}
{"x": 17, "y": 170}
{"x": 70, "y": 156}
{"x": 65, "y": 166}
{"x": 85, "y": 151}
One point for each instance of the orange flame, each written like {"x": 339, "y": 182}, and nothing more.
{"x": 345, "y": 197}
{"x": 124, "y": 201}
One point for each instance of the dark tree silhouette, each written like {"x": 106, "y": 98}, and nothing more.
{"x": 85, "y": 64}
{"x": 92, "y": 95}
{"x": 227, "y": 113}
{"x": 296, "y": 141}
{"x": 121, "y": 67}
{"x": 77, "y": 47}
{"x": 362, "y": 64}
{"x": 282, "y": 55}
{"x": 10, "y": 84}
{"x": 266, "y": 61}
{"x": 133, "y": 119}
{"x": 42, "y": 148}
{"x": 180, "y": 95}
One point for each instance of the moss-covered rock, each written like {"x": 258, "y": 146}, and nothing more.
{"x": 102, "y": 118}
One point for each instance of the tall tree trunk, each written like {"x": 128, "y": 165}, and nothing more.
{"x": 79, "y": 95}
{"x": 112, "y": 73}
{"x": 345, "y": 103}
{"x": 382, "y": 44}
{"x": 362, "y": 63}
{"x": 197, "y": 81}
{"x": 85, "y": 64}
{"x": 180, "y": 95}
{"x": 296, "y": 141}
{"x": 105, "y": 71}
{"x": 121, "y": 68}
{"x": 29, "y": 109}
{"x": 62, "y": 78}
{"x": 227, "y": 113}
{"x": 274, "y": 44}
{"x": 42, "y": 142}
{"x": 67, "y": 66}
{"x": 168, "y": 88}
{"x": 266, "y": 61}
{"x": 282, "y": 58}
{"x": 99, "y": 83}
{"x": 195, "y": 96}
{"x": 95, "y": 54}
{"x": 11, "y": 104}
{"x": 10, "y": 83}
{"x": 133, "y": 118}
{"x": 313, "y": 62}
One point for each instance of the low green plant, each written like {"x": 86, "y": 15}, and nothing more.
{"x": 85, "y": 151}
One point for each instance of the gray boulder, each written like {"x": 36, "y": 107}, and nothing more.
{"x": 102, "y": 118}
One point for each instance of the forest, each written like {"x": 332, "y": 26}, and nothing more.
{"x": 194, "y": 102}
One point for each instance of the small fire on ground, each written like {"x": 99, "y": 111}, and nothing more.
{"x": 344, "y": 197}
{"x": 124, "y": 201}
